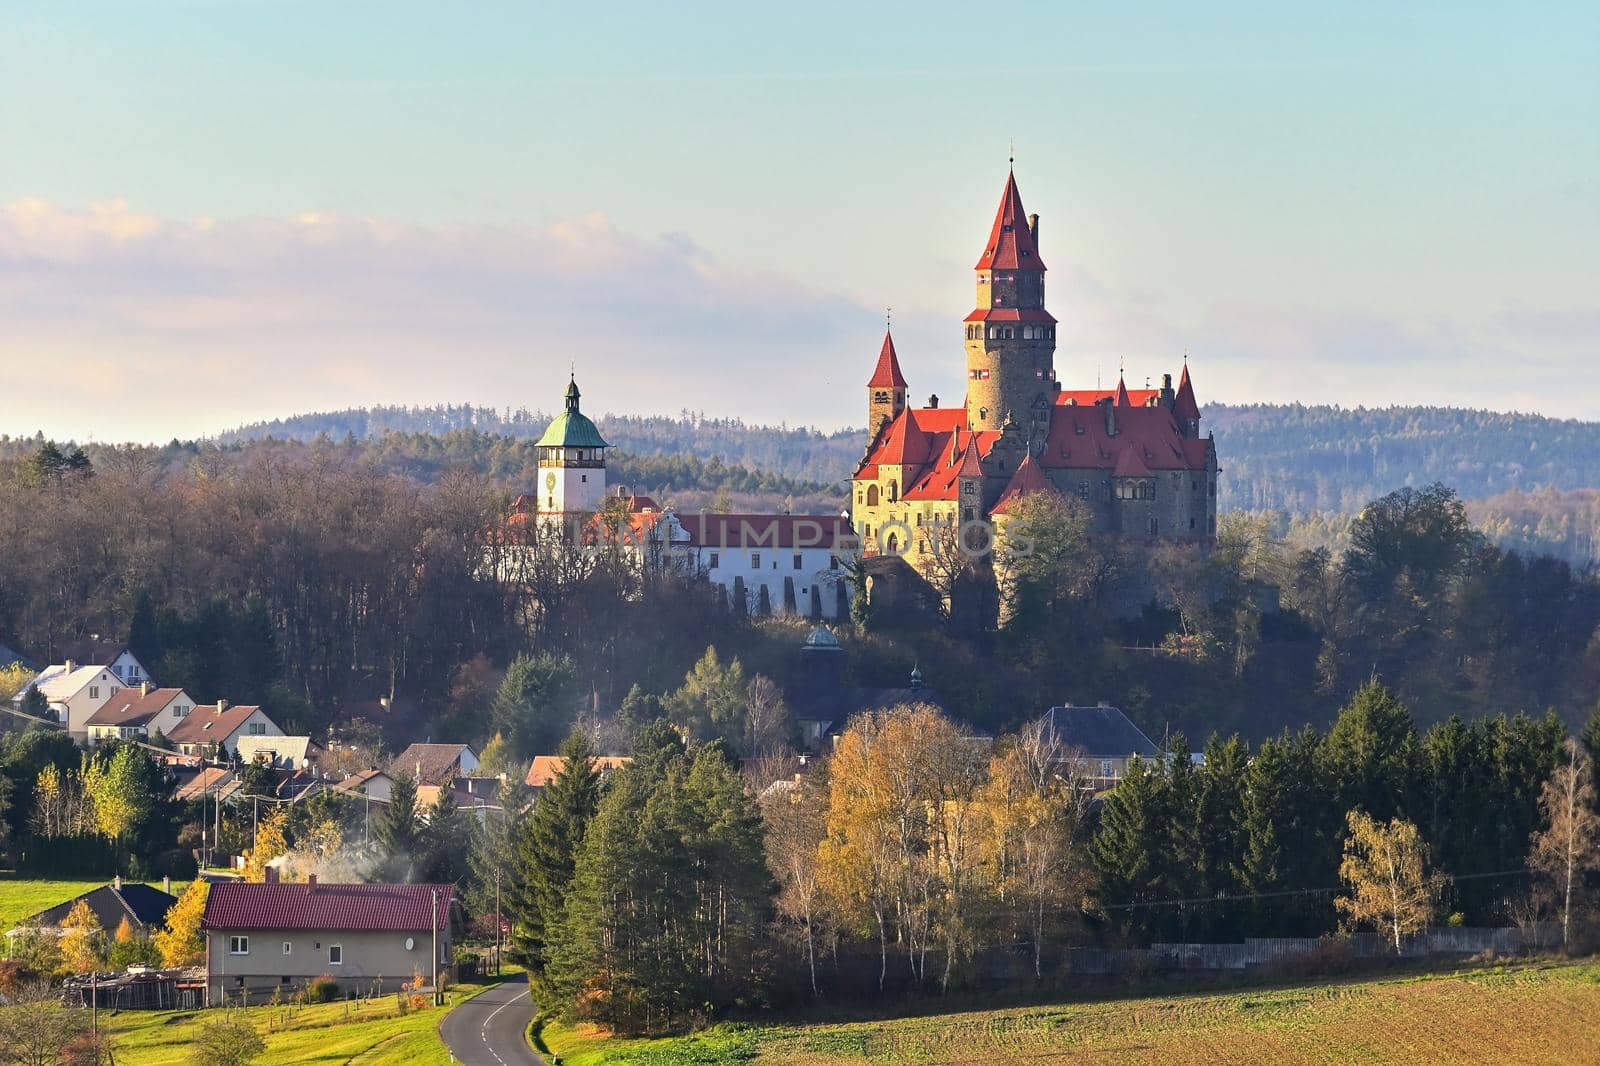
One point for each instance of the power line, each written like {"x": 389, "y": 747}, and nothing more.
{"x": 1235, "y": 897}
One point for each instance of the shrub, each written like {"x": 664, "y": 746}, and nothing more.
{"x": 323, "y": 989}
{"x": 226, "y": 1042}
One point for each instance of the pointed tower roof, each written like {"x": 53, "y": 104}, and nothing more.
{"x": 971, "y": 465}
{"x": 887, "y": 374}
{"x": 1183, "y": 404}
{"x": 572, "y": 428}
{"x": 1028, "y": 479}
{"x": 1122, "y": 393}
{"x": 1011, "y": 245}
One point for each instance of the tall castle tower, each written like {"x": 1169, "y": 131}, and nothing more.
{"x": 886, "y": 390}
{"x": 1011, "y": 338}
{"x": 572, "y": 462}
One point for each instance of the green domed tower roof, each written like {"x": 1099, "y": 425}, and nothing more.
{"x": 572, "y": 428}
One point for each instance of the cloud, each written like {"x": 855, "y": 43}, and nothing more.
{"x": 125, "y": 324}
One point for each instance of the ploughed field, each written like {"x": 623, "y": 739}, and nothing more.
{"x": 1516, "y": 1013}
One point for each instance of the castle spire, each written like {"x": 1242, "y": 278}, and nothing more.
{"x": 572, "y": 393}
{"x": 887, "y": 373}
{"x": 1122, "y": 393}
{"x": 1013, "y": 245}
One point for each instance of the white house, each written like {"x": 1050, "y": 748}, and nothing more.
{"x": 221, "y": 723}
{"x": 129, "y": 670}
{"x": 74, "y": 692}
{"x": 284, "y": 753}
{"x": 139, "y": 711}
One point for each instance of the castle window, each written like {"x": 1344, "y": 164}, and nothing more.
{"x": 1191, "y": 523}
{"x": 755, "y": 560}
{"x": 798, "y": 559}
{"x": 584, "y": 478}
{"x": 880, "y": 397}
{"x": 1083, "y": 490}
{"x": 1077, "y": 427}
{"x": 1155, "y": 529}
{"x": 980, "y": 374}
{"x": 894, "y": 491}
{"x": 894, "y": 543}
{"x": 716, "y": 560}
{"x": 983, "y": 414}
{"x": 872, "y": 495}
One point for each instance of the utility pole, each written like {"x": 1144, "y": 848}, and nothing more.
{"x": 435, "y": 931}
{"x": 497, "y": 923}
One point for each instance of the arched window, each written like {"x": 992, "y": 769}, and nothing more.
{"x": 880, "y": 397}
{"x": 983, "y": 414}
{"x": 893, "y": 544}
{"x": 872, "y": 495}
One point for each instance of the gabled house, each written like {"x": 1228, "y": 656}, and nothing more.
{"x": 139, "y": 711}
{"x": 144, "y": 908}
{"x": 1097, "y": 741}
{"x": 209, "y": 782}
{"x": 434, "y": 764}
{"x": 74, "y": 692}
{"x": 267, "y": 938}
{"x": 220, "y": 723}
{"x": 129, "y": 670}
{"x": 372, "y": 784}
{"x": 279, "y": 752}
{"x": 544, "y": 768}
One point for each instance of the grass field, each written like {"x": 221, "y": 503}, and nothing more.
{"x": 375, "y": 1035}
{"x": 19, "y": 899}
{"x": 1518, "y": 1013}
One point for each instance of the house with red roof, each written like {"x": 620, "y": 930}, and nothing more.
{"x": 277, "y": 937}
{"x": 139, "y": 712}
{"x": 222, "y": 723}
{"x": 1134, "y": 458}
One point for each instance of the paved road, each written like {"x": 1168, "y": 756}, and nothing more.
{"x": 489, "y": 1028}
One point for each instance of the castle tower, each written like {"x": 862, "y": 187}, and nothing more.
{"x": 572, "y": 462}
{"x": 1011, "y": 338}
{"x": 886, "y": 391}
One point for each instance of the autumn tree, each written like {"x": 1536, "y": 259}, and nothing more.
{"x": 180, "y": 942}
{"x": 1385, "y": 869}
{"x": 1569, "y": 844}
{"x": 796, "y": 821}
{"x": 82, "y": 939}
{"x": 271, "y": 843}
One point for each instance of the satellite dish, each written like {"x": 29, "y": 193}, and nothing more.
{"x": 410, "y": 943}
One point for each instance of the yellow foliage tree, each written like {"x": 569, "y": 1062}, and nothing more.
{"x": 13, "y": 679}
{"x": 1390, "y": 886}
{"x": 124, "y": 931}
{"x": 82, "y": 939}
{"x": 270, "y": 844}
{"x": 180, "y": 943}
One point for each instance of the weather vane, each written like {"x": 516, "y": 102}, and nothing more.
{"x": 888, "y": 317}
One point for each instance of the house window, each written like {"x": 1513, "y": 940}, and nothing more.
{"x": 335, "y": 954}
{"x": 238, "y": 945}
{"x": 287, "y": 947}
{"x": 1083, "y": 490}
{"x": 716, "y": 560}
{"x": 799, "y": 560}
{"x": 755, "y": 560}
{"x": 258, "y": 729}
{"x": 833, "y": 562}
{"x": 1105, "y": 768}
{"x": 94, "y": 692}
{"x": 181, "y": 711}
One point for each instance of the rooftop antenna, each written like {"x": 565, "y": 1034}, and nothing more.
{"x": 888, "y": 318}
{"x": 1012, "y": 154}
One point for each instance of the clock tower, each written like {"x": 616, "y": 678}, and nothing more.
{"x": 572, "y": 462}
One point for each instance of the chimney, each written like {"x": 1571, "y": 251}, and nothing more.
{"x": 1111, "y": 417}
{"x": 311, "y": 881}
{"x": 166, "y": 884}
{"x": 144, "y": 688}
{"x": 1033, "y": 227}
{"x": 270, "y": 875}
{"x": 71, "y": 666}
{"x": 116, "y": 882}
{"x": 933, "y": 400}
{"x": 1168, "y": 397}
{"x": 222, "y": 705}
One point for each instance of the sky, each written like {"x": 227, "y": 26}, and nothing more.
{"x": 218, "y": 211}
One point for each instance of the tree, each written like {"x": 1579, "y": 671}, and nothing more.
{"x": 226, "y": 1042}
{"x": 270, "y": 844}
{"x": 180, "y": 942}
{"x": 124, "y": 784}
{"x": 1371, "y": 756}
{"x": 36, "y": 1029}
{"x": 711, "y": 701}
{"x": 82, "y": 939}
{"x": 536, "y": 703}
{"x": 397, "y": 830}
{"x": 497, "y": 760}
{"x": 796, "y": 821}
{"x": 13, "y": 679}
{"x": 1419, "y": 535}
{"x": 1128, "y": 851}
{"x": 768, "y": 725}
{"x": 547, "y": 848}
{"x": 1569, "y": 845}
{"x": 1385, "y": 869}
{"x": 445, "y": 840}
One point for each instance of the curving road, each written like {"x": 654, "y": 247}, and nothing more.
{"x": 490, "y": 1028}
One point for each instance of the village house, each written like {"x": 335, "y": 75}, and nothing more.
{"x": 74, "y": 692}
{"x": 544, "y": 769}
{"x": 279, "y": 752}
{"x": 272, "y": 937}
{"x": 210, "y": 725}
{"x": 434, "y": 764}
{"x": 145, "y": 909}
{"x": 1097, "y": 742}
{"x": 139, "y": 712}
{"x": 371, "y": 784}
{"x": 209, "y": 782}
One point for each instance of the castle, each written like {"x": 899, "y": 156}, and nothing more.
{"x": 1134, "y": 457}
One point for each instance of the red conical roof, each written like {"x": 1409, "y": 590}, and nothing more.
{"x": 1122, "y": 394}
{"x": 887, "y": 374}
{"x": 1011, "y": 245}
{"x": 1027, "y": 480}
{"x": 1183, "y": 404}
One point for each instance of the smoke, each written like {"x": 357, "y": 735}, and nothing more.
{"x": 353, "y": 864}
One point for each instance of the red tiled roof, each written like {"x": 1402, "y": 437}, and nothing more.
{"x": 1011, "y": 245}
{"x": 1130, "y": 463}
{"x": 1011, "y": 314}
{"x": 903, "y": 443}
{"x": 350, "y": 908}
{"x": 128, "y": 707}
{"x": 544, "y": 768}
{"x": 1090, "y": 397}
{"x": 205, "y": 725}
{"x": 943, "y": 481}
{"x": 887, "y": 374}
{"x": 1122, "y": 394}
{"x": 1028, "y": 479}
{"x": 755, "y": 531}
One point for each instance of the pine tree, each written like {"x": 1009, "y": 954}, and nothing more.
{"x": 445, "y": 840}
{"x": 536, "y": 703}
{"x": 397, "y": 830}
{"x": 547, "y": 848}
{"x": 1127, "y": 850}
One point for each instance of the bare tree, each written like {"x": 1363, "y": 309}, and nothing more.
{"x": 796, "y": 818}
{"x": 1569, "y": 845}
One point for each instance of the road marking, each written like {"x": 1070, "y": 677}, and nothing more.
{"x": 484, "y": 1031}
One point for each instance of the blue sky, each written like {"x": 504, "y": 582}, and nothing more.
{"x": 255, "y": 208}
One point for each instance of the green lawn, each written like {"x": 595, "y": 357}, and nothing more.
{"x": 375, "y": 1035}
{"x": 1516, "y": 1013}
{"x": 19, "y": 899}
